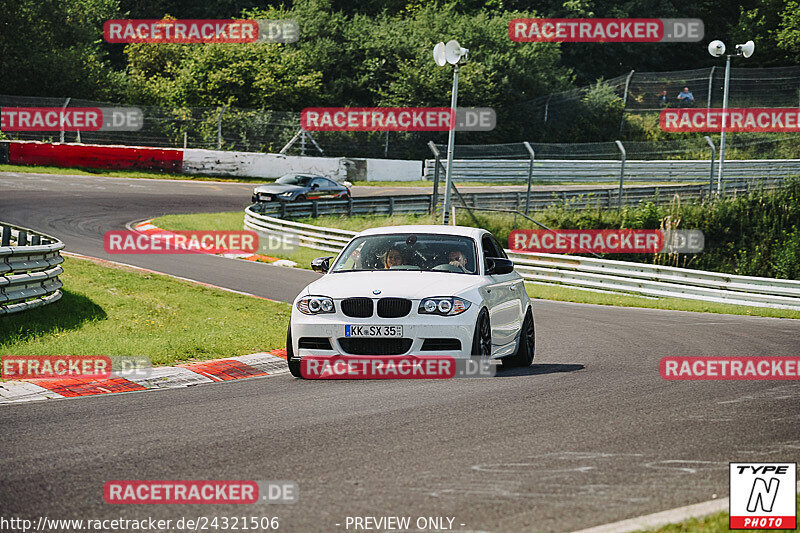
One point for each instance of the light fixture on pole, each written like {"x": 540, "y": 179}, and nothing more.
{"x": 717, "y": 48}
{"x": 450, "y": 53}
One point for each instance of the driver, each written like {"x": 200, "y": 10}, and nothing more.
{"x": 458, "y": 259}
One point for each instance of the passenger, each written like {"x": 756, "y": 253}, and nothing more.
{"x": 393, "y": 257}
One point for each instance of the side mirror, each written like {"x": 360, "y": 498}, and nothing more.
{"x": 321, "y": 264}
{"x": 497, "y": 265}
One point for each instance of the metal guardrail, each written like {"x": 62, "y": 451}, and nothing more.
{"x": 586, "y": 272}
{"x": 609, "y": 169}
{"x": 29, "y": 269}
{"x": 602, "y": 197}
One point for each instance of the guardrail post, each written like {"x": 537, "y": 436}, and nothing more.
{"x": 22, "y": 238}
{"x": 36, "y": 240}
{"x": 314, "y": 209}
{"x": 219, "y": 127}
{"x": 5, "y": 236}
{"x": 530, "y": 176}
{"x": 349, "y": 205}
{"x": 436, "y": 163}
{"x": 625, "y": 101}
{"x": 711, "y": 170}
{"x": 283, "y": 209}
{"x": 391, "y": 205}
{"x": 621, "y": 171}
{"x": 61, "y": 136}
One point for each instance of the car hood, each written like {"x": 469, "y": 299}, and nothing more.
{"x": 277, "y": 188}
{"x": 393, "y": 283}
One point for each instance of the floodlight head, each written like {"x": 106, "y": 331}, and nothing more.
{"x": 716, "y": 48}
{"x": 746, "y": 49}
{"x": 453, "y": 52}
{"x": 439, "y": 55}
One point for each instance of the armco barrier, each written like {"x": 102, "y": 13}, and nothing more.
{"x": 584, "y": 272}
{"x": 609, "y": 170}
{"x": 598, "y": 196}
{"x": 29, "y": 269}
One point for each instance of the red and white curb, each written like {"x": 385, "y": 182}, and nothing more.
{"x": 166, "y": 377}
{"x": 147, "y": 227}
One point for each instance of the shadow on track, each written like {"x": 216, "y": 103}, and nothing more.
{"x": 534, "y": 370}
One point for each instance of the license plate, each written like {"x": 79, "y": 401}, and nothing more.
{"x": 267, "y": 197}
{"x": 373, "y": 331}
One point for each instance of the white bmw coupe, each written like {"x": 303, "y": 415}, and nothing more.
{"x": 415, "y": 290}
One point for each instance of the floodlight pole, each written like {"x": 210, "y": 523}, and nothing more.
{"x": 724, "y": 120}
{"x": 450, "y": 147}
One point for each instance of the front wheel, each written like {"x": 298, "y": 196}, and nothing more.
{"x": 527, "y": 345}
{"x": 482, "y": 338}
{"x": 294, "y": 366}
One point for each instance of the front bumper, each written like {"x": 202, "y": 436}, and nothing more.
{"x": 416, "y": 327}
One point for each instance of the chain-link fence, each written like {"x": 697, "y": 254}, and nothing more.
{"x": 625, "y": 107}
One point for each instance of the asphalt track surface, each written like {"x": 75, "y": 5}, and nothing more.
{"x": 589, "y": 435}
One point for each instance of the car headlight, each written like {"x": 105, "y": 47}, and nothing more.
{"x": 286, "y": 194}
{"x": 314, "y": 305}
{"x": 443, "y": 305}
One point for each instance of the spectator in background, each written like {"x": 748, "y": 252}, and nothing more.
{"x": 663, "y": 99}
{"x": 686, "y": 98}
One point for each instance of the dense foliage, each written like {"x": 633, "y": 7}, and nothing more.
{"x": 363, "y": 52}
{"x": 755, "y": 234}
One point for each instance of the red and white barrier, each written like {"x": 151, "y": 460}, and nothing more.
{"x": 204, "y": 162}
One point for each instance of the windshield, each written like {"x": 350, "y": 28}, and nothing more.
{"x": 292, "y": 179}
{"x": 409, "y": 251}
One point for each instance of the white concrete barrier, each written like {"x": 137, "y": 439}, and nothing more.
{"x": 393, "y": 170}
{"x": 257, "y": 165}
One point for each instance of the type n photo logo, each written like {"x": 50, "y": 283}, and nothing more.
{"x": 763, "y": 496}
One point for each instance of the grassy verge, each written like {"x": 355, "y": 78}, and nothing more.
{"x": 567, "y": 294}
{"x": 303, "y": 256}
{"x": 717, "y": 523}
{"x": 429, "y": 183}
{"x": 234, "y": 221}
{"x": 118, "y": 311}
{"x": 122, "y": 173}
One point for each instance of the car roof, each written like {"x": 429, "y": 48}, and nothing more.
{"x": 465, "y": 231}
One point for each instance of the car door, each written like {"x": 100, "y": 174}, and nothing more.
{"x": 331, "y": 188}
{"x": 505, "y": 314}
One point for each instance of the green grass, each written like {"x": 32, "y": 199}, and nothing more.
{"x": 568, "y": 294}
{"x": 118, "y": 311}
{"x": 234, "y": 221}
{"x": 303, "y": 256}
{"x": 122, "y": 173}
{"x": 429, "y": 183}
{"x": 717, "y": 523}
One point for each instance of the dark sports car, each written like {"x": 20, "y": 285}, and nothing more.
{"x": 299, "y": 188}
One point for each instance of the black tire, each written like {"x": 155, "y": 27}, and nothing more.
{"x": 294, "y": 366}
{"x": 300, "y": 198}
{"x": 527, "y": 345}
{"x": 482, "y": 337}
